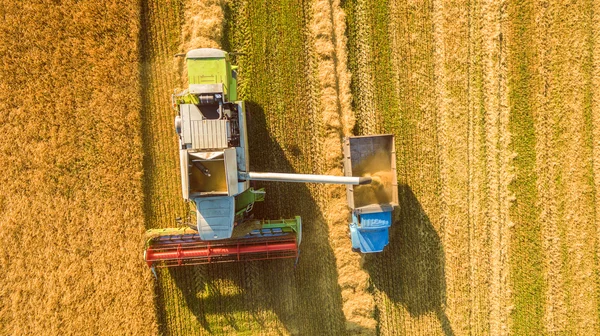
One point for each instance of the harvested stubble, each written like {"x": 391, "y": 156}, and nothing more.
{"x": 462, "y": 85}
{"x": 327, "y": 28}
{"x": 71, "y": 184}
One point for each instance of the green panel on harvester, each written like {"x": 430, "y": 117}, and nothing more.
{"x": 207, "y": 71}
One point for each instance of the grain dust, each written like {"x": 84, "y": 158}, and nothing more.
{"x": 378, "y": 167}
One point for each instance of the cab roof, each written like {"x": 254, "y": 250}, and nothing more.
{"x": 206, "y": 53}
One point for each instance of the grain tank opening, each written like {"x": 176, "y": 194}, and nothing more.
{"x": 207, "y": 174}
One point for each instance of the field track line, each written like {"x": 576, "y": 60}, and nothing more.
{"x": 479, "y": 237}
{"x": 451, "y": 60}
{"x": 555, "y": 312}
{"x": 387, "y": 317}
{"x": 498, "y": 161}
{"x": 490, "y": 85}
{"x": 507, "y": 175}
{"x": 595, "y": 125}
{"x": 572, "y": 70}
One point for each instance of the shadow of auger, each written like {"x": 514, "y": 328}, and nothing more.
{"x": 410, "y": 271}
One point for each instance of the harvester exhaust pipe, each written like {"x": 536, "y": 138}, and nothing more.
{"x": 303, "y": 178}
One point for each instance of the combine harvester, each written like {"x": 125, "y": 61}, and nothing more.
{"x": 215, "y": 179}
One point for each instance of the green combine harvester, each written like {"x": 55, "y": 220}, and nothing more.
{"x": 215, "y": 180}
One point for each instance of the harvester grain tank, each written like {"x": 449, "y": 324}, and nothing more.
{"x": 215, "y": 179}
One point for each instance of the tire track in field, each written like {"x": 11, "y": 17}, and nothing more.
{"x": 327, "y": 27}
{"x": 451, "y": 60}
{"x": 555, "y": 313}
{"x": 498, "y": 157}
{"x": 388, "y": 318}
{"x": 595, "y": 132}
{"x": 479, "y": 249}
{"x": 570, "y": 69}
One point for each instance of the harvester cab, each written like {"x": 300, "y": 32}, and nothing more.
{"x": 215, "y": 179}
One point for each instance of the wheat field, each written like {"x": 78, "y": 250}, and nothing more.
{"x": 495, "y": 110}
{"x": 71, "y": 196}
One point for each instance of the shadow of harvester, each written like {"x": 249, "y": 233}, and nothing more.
{"x": 269, "y": 296}
{"x": 410, "y": 271}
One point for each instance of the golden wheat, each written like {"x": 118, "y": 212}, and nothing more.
{"x": 498, "y": 160}
{"x": 569, "y": 67}
{"x": 451, "y": 43}
{"x": 71, "y": 184}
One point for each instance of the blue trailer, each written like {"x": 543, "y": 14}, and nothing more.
{"x": 372, "y": 205}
